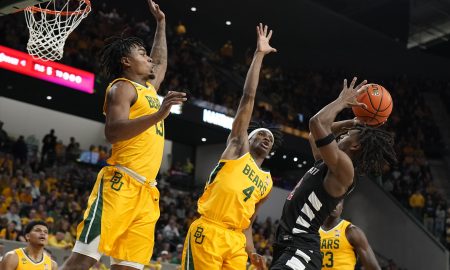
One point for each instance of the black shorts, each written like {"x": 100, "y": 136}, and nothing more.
{"x": 295, "y": 258}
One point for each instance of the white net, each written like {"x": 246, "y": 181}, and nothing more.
{"x": 51, "y": 24}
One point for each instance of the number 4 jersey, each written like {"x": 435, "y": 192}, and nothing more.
{"x": 232, "y": 191}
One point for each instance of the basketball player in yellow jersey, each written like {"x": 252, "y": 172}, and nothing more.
{"x": 124, "y": 204}
{"x": 33, "y": 256}
{"x": 341, "y": 242}
{"x": 222, "y": 237}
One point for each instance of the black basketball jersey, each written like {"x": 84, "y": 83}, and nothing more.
{"x": 305, "y": 210}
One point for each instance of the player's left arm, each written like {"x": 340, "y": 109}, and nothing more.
{"x": 358, "y": 240}
{"x": 54, "y": 265}
{"x": 237, "y": 142}
{"x": 159, "y": 48}
{"x": 256, "y": 259}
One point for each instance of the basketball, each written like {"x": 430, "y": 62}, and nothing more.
{"x": 379, "y": 105}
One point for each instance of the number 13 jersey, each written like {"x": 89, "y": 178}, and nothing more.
{"x": 142, "y": 153}
{"x": 233, "y": 190}
{"x": 338, "y": 253}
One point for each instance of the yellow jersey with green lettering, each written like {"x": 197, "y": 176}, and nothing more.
{"x": 337, "y": 252}
{"x": 25, "y": 263}
{"x": 233, "y": 190}
{"x": 142, "y": 153}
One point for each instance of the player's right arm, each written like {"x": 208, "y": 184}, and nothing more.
{"x": 10, "y": 261}
{"x": 121, "y": 97}
{"x": 237, "y": 143}
{"x": 358, "y": 240}
{"x": 339, "y": 164}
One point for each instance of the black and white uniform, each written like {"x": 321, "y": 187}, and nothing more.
{"x": 306, "y": 208}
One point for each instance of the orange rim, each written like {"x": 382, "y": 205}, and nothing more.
{"x": 63, "y": 13}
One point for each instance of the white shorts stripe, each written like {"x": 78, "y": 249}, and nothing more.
{"x": 302, "y": 254}
{"x": 302, "y": 222}
{"x": 315, "y": 201}
{"x": 295, "y": 264}
{"x": 308, "y": 211}
{"x": 297, "y": 231}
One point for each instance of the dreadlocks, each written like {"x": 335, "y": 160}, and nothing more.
{"x": 276, "y": 131}
{"x": 111, "y": 54}
{"x": 377, "y": 149}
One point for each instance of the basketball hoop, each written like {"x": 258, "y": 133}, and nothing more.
{"x": 51, "y": 23}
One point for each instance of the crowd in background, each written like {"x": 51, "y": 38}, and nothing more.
{"x": 51, "y": 186}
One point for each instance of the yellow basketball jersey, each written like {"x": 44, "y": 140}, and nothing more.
{"x": 232, "y": 191}
{"x": 338, "y": 253}
{"x": 142, "y": 153}
{"x": 25, "y": 263}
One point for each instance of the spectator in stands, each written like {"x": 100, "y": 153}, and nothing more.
{"x": 48, "y": 147}
{"x": 58, "y": 241}
{"x": 227, "y": 51}
{"x": 10, "y": 232}
{"x": 72, "y": 152}
{"x": 6, "y": 164}
{"x": 439, "y": 222}
{"x": 417, "y": 203}
{"x": 4, "y": 139}
{"x": 447, "y": 242}
{"x": 20, "y": 149}
{"x": 165, "y": 257}
{"x": 177, "y": 255}
{"x": 429, "y": 214}
{"x": 12, "y": 215}
{"x": 25, "y": 197}
{"x": 180, "y": 29}
{"x": 35, "y": 191}
{"x": 60, "y": 152}
{"x": 188, "y": 167}
{"x": 170, "y": 231}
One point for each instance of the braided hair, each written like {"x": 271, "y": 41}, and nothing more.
{"x": 110, "y": 56}
{"x": 377, "y": 149}
{"x": 276, "y": 131}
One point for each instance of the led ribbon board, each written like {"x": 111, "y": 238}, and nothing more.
{"x": 50, "y": 71}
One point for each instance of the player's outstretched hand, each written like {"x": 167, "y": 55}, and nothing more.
{"x": 263, "y": 38}
{"x": 351, "y": 92}
{"x": 258, "y": 261}
{"x": 156, "y": 11}
{"x": 172, "y": 98}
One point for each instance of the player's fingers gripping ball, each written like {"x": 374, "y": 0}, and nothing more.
{"x": 379, "y": 105}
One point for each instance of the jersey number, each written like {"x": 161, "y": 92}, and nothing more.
{"x": 327, "y": 259}
{"x": 160, "y": 128}
{"x": 248, "y": 192}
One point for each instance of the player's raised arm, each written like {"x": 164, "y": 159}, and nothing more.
{"x": 320, "y": 126}
{"x": 358, "y": 240}
{"x": 237, "y": 142}
{"x": 159, "y": 48}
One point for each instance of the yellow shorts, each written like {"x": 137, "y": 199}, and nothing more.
{"x": 211, "y": 246}
{"x": 123, "y": 212}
